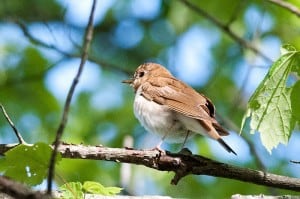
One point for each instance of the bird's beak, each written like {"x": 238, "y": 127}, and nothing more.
{"x": 128, "y": 81}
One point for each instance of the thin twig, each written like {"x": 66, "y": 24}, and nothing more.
{"x": 42, "y": 44}
{"x": 226, "y": 29}
{"x": 229, "y": 124}
{"x": 30, "y": 77}
{"x": 288, "y": 6}
{"x": 19, "y": 136}
{"x": 86, "y": 45}
{"x": 242, "y": 42}
{"x": 37, "y": 41}
{"x": 294, "y": 161}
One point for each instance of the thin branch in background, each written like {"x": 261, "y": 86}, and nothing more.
{"x": 256, "y": 34}
{"x": 51, "y": 32}
{"x": 30, "y": 78}
{"x": 86, "y": 44}
{"x": 76, "y": 44}
{"x": 294, "y": 161}
{"x": 288, "y": 6}
{"x": 37, "y": 41}
{"x": 18, "y": 190}
{"x": 244, "y": 43}
{"x": 40, "y": 43}
{"x": 230, "y": 125}
{"x": 20, "y": 138}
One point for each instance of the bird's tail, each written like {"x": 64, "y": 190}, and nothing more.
{"x": 226, "y": 146}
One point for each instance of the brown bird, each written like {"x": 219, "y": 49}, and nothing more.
{"x": 168, "y": 107}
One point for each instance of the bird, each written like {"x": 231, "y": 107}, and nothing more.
{"x": 172, "y": 109}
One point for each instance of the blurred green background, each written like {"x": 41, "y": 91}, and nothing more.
{"x": 40, "y": 45}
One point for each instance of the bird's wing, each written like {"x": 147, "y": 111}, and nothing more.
{"x": 181, "y": 98}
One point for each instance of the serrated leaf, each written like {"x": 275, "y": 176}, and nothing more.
{"x": 97, "y": 188}
{"x": 27, "y": 164}
{"x": 270, "y": 106}
{"x": 287, "y": 48}
{"x": 72, "y": 190}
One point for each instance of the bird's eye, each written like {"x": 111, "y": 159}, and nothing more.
{"x": 141, "y": 74}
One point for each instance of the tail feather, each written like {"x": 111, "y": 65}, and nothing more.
{"x": 226, "y": 146}
{"x": 220, "y": 129}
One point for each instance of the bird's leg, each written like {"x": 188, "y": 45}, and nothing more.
{"x": 185, "y": 151}
{"x": 185, "y": 139}
{"x": 157, "y": 147}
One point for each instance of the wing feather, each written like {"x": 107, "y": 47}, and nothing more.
{"x": 181, "y": 98}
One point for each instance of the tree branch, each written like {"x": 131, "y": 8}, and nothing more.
{"x": 226, "y": 29}
{"x": 18, "y": 190}
{"x": 286, "y": 5}
{"x": 59, "y": 133}
{"x": 181, "y": 163}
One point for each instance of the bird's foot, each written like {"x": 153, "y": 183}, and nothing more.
{"x": 160, "y": 150}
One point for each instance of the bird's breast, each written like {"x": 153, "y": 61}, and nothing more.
{"x": 158, "y": 119}
{"x": 153, "y": 116}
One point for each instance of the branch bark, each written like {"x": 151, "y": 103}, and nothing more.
{"x": 181, "y": 164}
{"x": 226, "y": 29}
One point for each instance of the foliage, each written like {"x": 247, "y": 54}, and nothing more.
{"x": 27, "y": 163}
{"x": 97, "y": 188}
{"x": 35, "y": 77}
{"x": 270, "y": 108}
{"x": 77, "y": 190}
{"x": 72, "y": 190}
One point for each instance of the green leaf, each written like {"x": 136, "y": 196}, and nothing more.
{"x": 270, "y": 108}
{"x": 113, "y": 190}
{"x": 296, "y": 65}
{"x": 72, "y": 190}
{"x": 2, "y": 164}
{"x": 97, "y": 188}
{"x": 287, "y": 48}
{"x": 27, "y": 164}
{"x": 295, "y": 97}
